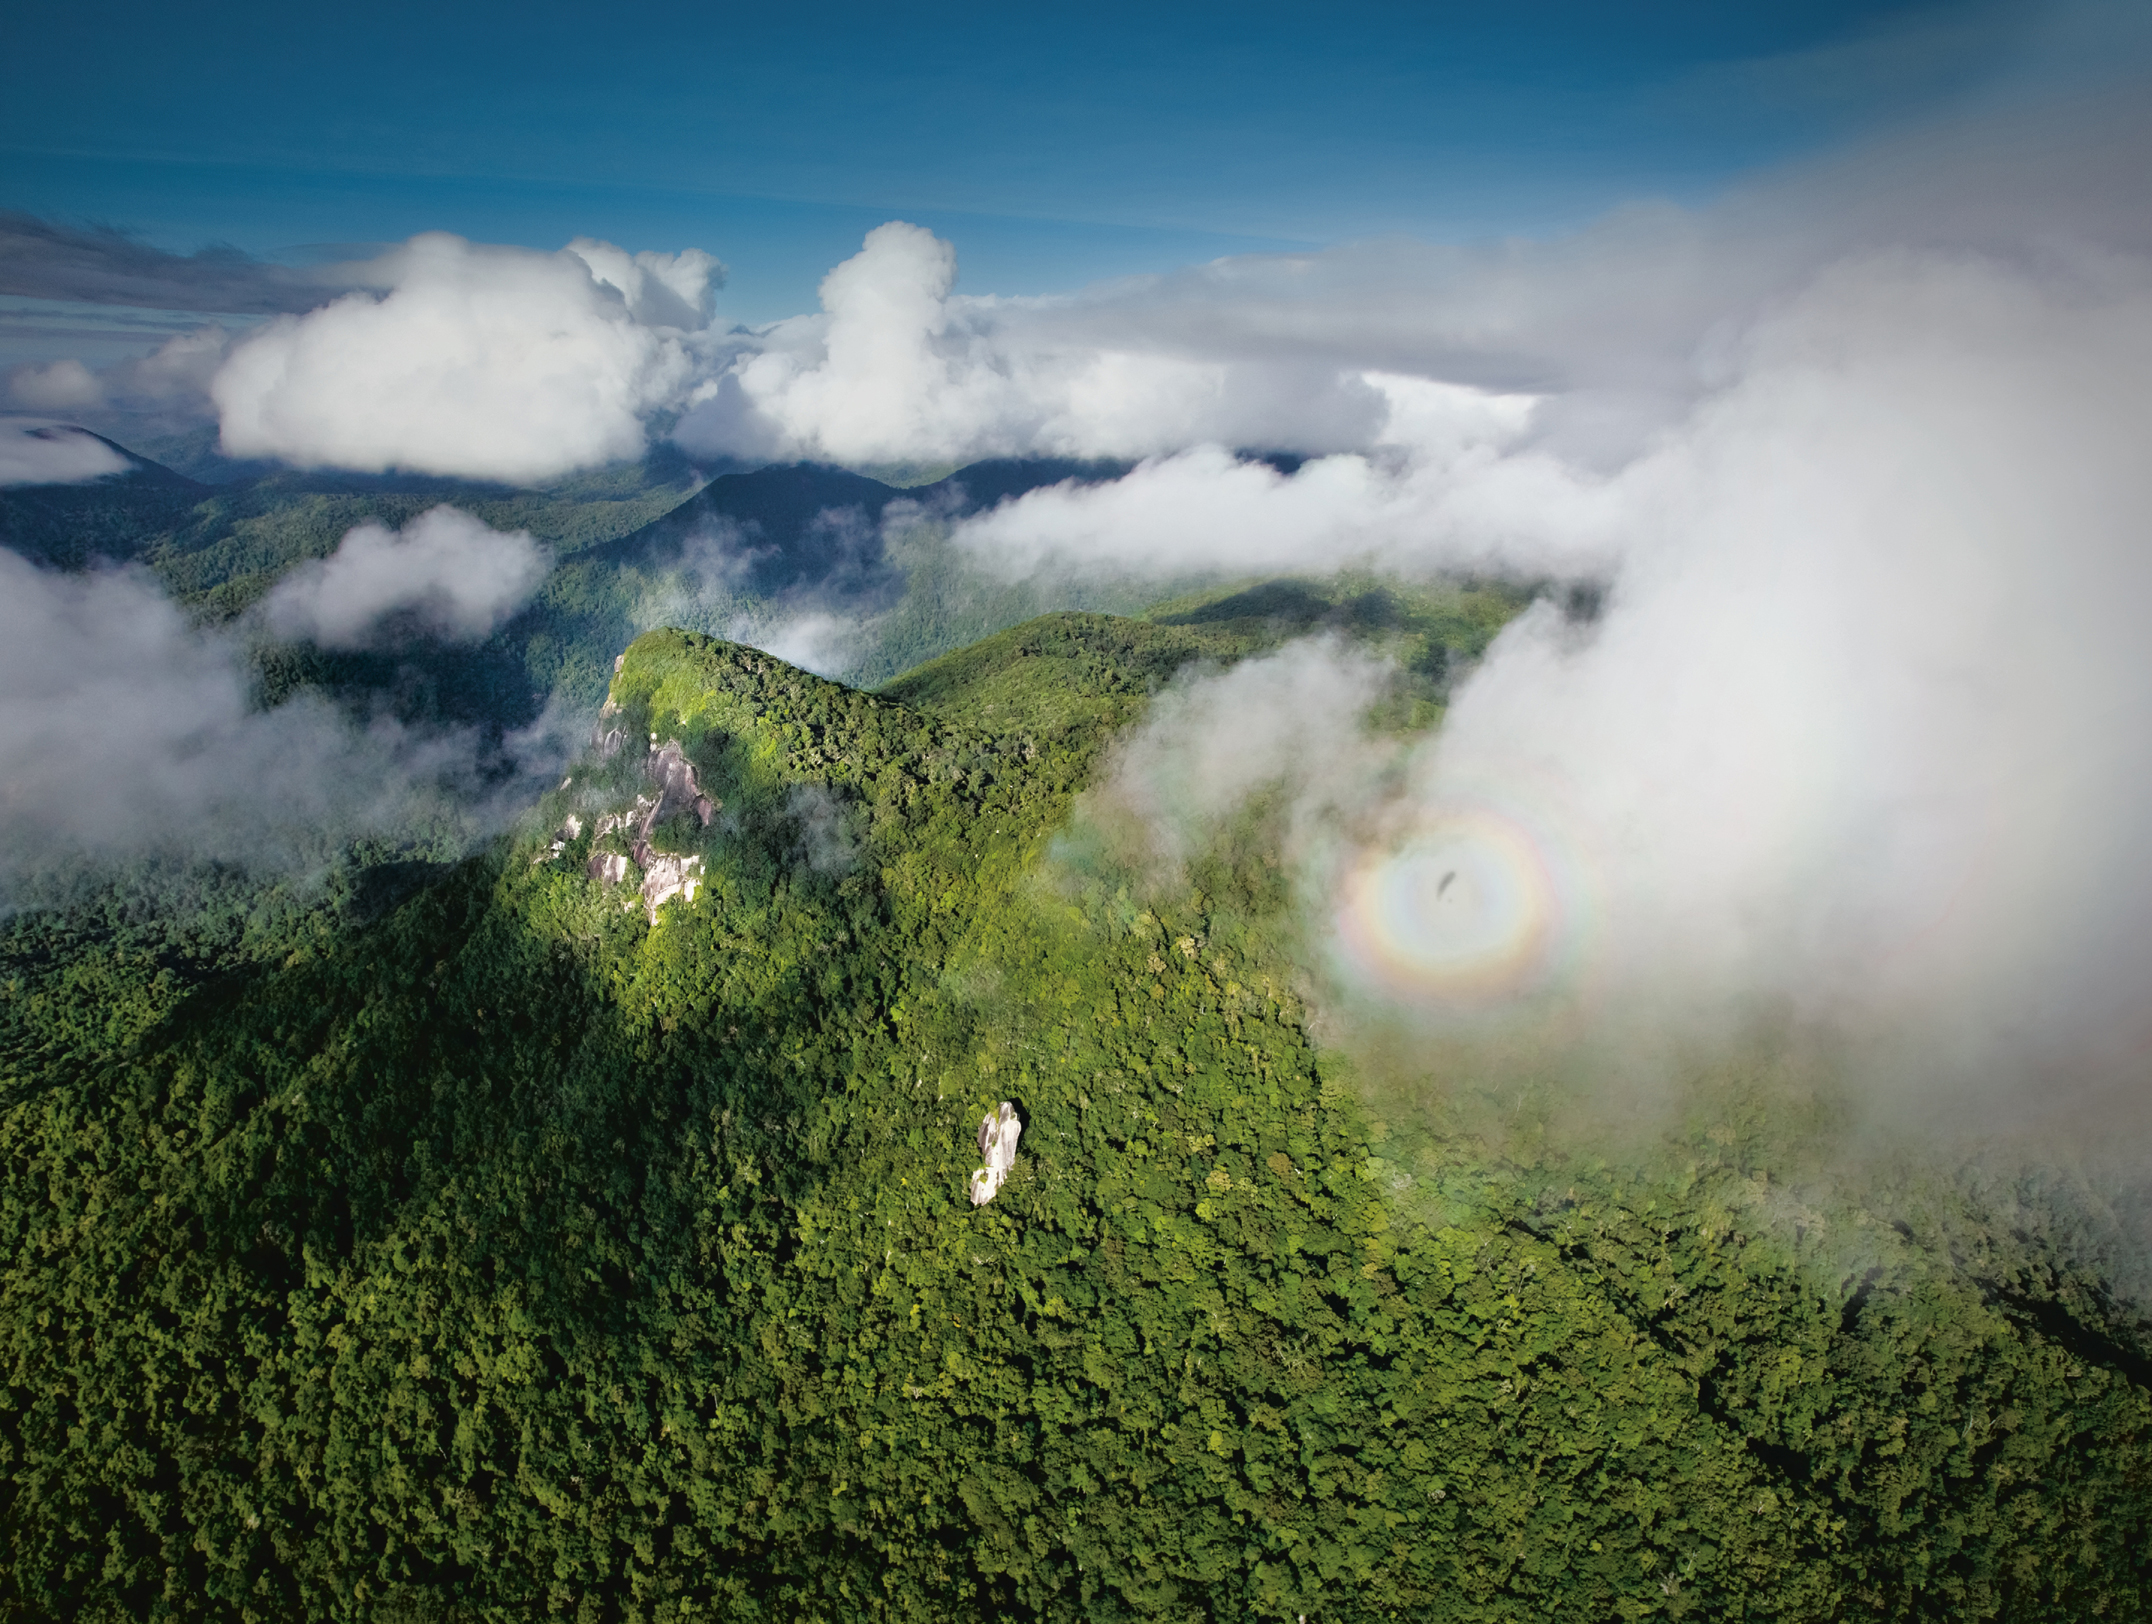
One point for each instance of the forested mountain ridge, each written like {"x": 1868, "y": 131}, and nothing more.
{"x": 507, "y": 1254}
{"x": 727, "y": 549}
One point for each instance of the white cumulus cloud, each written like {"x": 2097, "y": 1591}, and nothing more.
{"x": 896, "y": 365}
{"x": 485, "y": 362}
{"x": 660, "y": 290}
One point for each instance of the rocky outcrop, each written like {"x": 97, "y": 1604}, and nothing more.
{"x": 571, "y": 828}
{"x": 608, "y": 736}
{"x": 999, "y": 1130}
{"x": 674, "y": 775}
{"x": 667, "y": 877}
{"x": 674, "y": 789}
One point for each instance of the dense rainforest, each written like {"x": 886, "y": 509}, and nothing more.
{"x": 475, "y": 1240}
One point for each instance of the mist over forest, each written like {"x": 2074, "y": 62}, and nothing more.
{"x": 1413, "y": 925}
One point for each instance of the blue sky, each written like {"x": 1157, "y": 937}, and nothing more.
{"x": 1054, "y": 147}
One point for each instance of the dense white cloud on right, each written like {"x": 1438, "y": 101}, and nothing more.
{"x": 1862, "y": 741}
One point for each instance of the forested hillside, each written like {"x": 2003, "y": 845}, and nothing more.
{"x": 483, "y": 1244}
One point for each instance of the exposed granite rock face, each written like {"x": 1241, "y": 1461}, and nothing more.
{"x": 607, "y": 740}
{"x": 999, "y": 1130}
{"x": 674, "y": 775}
{"x": 665, "y": 875}
{"x": 571, "y": 827}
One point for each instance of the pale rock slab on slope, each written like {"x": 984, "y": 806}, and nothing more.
{"x": 571, "y": 828}
{"x": 999, "y": 1130}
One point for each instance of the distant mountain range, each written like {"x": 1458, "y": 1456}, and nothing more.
{"x": 745, "y": 551}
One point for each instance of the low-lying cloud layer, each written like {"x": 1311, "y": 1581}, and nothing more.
{"x": 34, "y": 452}
{"x": 447, "y": 357}
{"x": 457, "y": 577}
{"x": 127, "y": 732}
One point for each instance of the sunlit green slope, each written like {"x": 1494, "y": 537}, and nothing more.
{"x": 519, "y": 1255}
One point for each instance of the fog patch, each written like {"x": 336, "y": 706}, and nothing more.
{"x": 38, "y": 452}
{"x": 828, "y": 842}
{"x": 814, "y": 640}
{"x": 1214, "y": 741}
{"x": 125, "y": 732}
{"x": 450, "y": 573}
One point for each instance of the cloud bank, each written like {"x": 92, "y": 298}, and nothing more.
{"x": 448, "y": 357}
{"x": 454, "y": 575}
{"x": 1858, "y": 743}
{"x": 1616, "y": 332}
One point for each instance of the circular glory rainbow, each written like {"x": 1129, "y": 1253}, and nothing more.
{"x": 1468, "y": 913}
